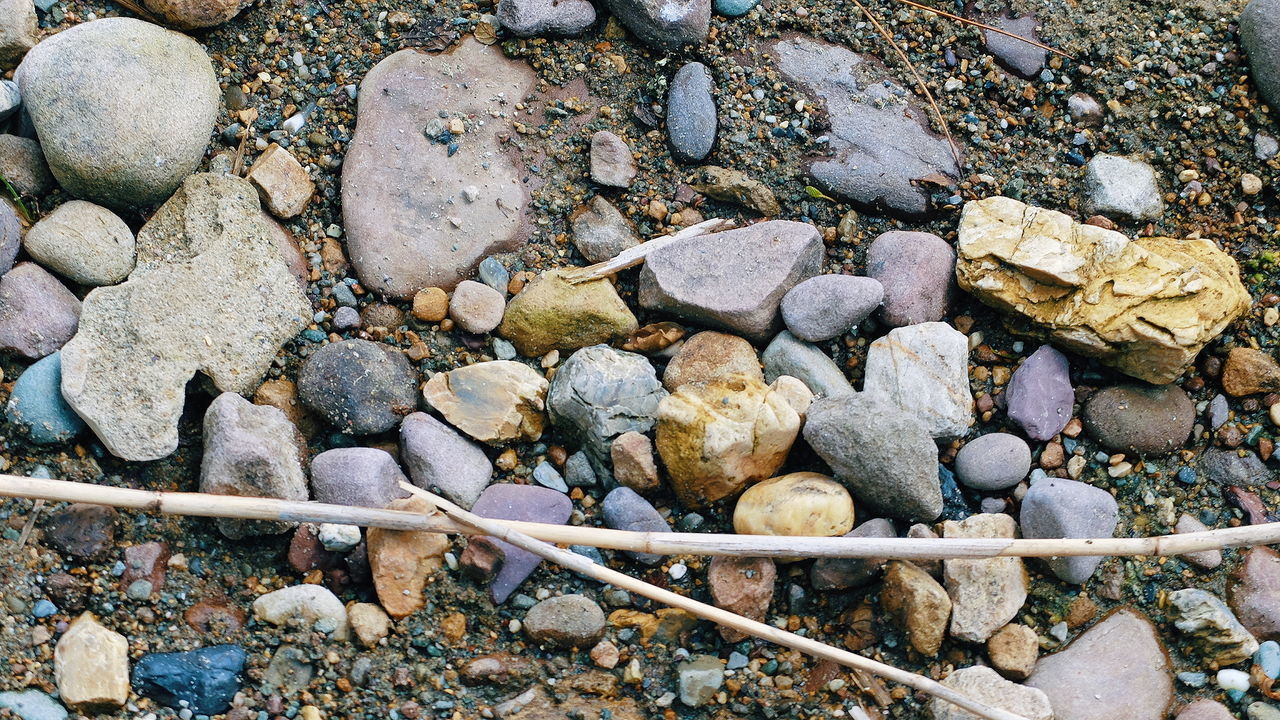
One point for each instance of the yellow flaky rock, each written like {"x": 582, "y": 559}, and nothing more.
{"x": 1145, "y": 306}
{"x": 495, "y": 402}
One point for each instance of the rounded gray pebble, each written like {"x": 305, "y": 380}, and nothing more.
{"x": 993, "y": 462}
{"x": 825, "y": 306}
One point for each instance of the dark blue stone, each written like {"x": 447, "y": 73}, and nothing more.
{"x": 207, "y": 679}
{"x": 1187, "y": 475}
{"x": 953, "y": 505}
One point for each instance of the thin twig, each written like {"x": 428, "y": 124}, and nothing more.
{"x": 31, "y": 523}
{"x": 635, "y": 255}
{"x": 585, "y": 566}
{"x": 984, "y": 26}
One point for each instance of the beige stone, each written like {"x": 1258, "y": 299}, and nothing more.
{"x": 1013, "y": 650}
{"x": 985, "y": 594}
{"x": 718, "y": 437}
{"x": 91, "y": 667}
{"x": 795, "y": 392}
{"x": 799, "y": 504}
{"x": 917, "y": 603}
{"x": 984, "y": 685}
{"x": 1144, "y": 306}
{"x": 282, "y": 183}
{"x": 402, "y": 561}
{"x": 314, "y": 604}
{"x": 710, "y": 355}
{"x": 431, "y": 305}
{"x": 633, "y": 463}
{"x": 370, "y": 623}
{"x": 497, "y": 401}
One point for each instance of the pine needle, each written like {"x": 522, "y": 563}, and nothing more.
{"x": 17, "y": 199}
{"x": 984, "y": 26}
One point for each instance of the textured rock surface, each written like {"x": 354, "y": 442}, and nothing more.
{"x": 985, "y": 594}
{"x": 1040, "y": 396}
{"x": 1060, "y": 508}
{"x": 691, "y": 113}
{"x": 611, "y": 161}
{"x": 567, "y": 621}
{"x": 879, "y": 131}
{"x": 825, "y": 306}
{"x": 709, "y": 355}
{"x": 91, "y": 667}
{"x": 743, "y": 586}
{"x": 553, "y": 314}
{"x": 535, "y": 18}
{"x": 664, "y": 24}
{"x": 22, "y": 161}
{"x": 315, "y": 604}
{"x": 124, "y": 109}
{"x": 802, "y": 503}
{"x": 1260, "y": 38}
{"x": 493, "y": 402}
{"x": 735, "y": 186}
{"x": 1021, "y": 58}
{"x": 359, "y": 386}
{"x": 38, "y": 314}
{"x": 86, "y": 243}
{"x": 441, "y": 460}
{"x": 282, "y": 183}
{"x": 403, "y": 561}
{"x": 19, "y": 31}
{"x": 732, "y": 280}
{"x": 358, "y": 476}
{"x": 1013, "y": 650}
{"x": 1254, "y": 592}
{"x": 984, "y": 685}
{"x": 1144, "y": 306}
{"x": 624, "y": 509}
{"x": 195, "y": 14}
{"x": 1140, "y": 418}
{"x": 1247, "y": 371}
{"x": 210, "y": 293}
{"x": 1121, "y": 187}
{"x": 12, "y": 228}
{"x": 924, "y": 370}
{"x": 917, "y": 271}
{"x": 408, "y": 225}
{"x": 600, "y": 232}
{"x": 1216, "y": 633}
{"x": 918, "y": 603}
{"x": 787, "y": 355}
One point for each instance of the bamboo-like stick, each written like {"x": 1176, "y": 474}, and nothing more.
{"x": 252, "y": 508}
{"x": 585, "y": 566}
{"x": 634, "y": 256}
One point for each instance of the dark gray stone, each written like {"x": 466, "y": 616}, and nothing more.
{"x": 360, "y": 387}
{"x": 22, "y": 163}
{"x": 1020, "y": 58}
{"x": 362, "y": 477}
{"x": 624, "y": 509}
{"x": 1056, "y": 508}
{"x": 1040, "y": 396}
{"x": 1260, "y": 38}
{"x": 917, "y": 271}
{"x": 691, "y": 113}
{"x": 204, "y": 680}
{"x": 843, "y": 573}
{"x": 443, "y": 461}
{"x": 567, "y": 621}
{"x": 600, "y": 232}
{"x": 664, "y": 24}
{"x": 537, "y": 18}
{"x": 1145, "y": 419}
{"x": 1229, "y": 467}
{"x": 826, "y": 306}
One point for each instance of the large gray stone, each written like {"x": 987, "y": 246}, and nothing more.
{"x": 359, "y": 386}
{"x": 732, "y": 280}
{"x": 1260, "y": 38}
{"x": 827, "y": 306}
{"x": 18, "y": 31}
{"x": 210, "y": 293}
{"x": 124, "y": 109}
{"x": 788, "y": 355}
{"x": 1059, "y": 508}
{"x": 924, "y": 369}
{"x": 441, "y": 460}
{"x": 691, "y": 113}
{"x": 664, "y": 24}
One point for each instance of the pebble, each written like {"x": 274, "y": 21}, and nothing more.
{"x": 1246, "y": 372}
{"x": 691, "y": 113}
{"x": 345, "y": 318}
{"x": 578, "y": 471}
{"x": 803, "y": 503}
{"x": 361, "y": 477}
{"x": 1085, "y": 110}
{"x": 611, "y": 161}
{"x": 1260, "y": 39}
{"x": 1214, "y": 631}
{"x": 493, "y": 402}
{"x": 203, "y": 681}
{"x": 1265, "y": 147}
{"x": 1250, "y": 184}
{"x": 1205, "y": 710}
{"x": 827, "y": 306}
{"x": 1013, "y": 651}
{"x": 476, "y": 307}
{"x": 540, "y": 18}
{"x": 1253, "y": 592}
{"x": 1039, "y": 394}
{"x": 924, "y": 370}
{"x": 402, "y": 562}
{"x": 734, "y": 8}
{"x": 32, "y": 704}
{"x": 492, "y": 273}
{"x": 709, "y": 355}
{"x": 22, "y": 163}
{"x": 11, "y": 231}
{"x": 282, "y": 183}
{"x": 431, "y": 305}
{"x": 699, "y": 679}
{"x": 369, "y": 622}
{"x": 124, "y": 109}
{"x": 82, "y": 531}
{"x": 664, "y": 24}
{"x": 441, "y": 460}
{"x": 567, "y": 621}
{"x": 338, "y": 538}
{"x": 624, "y": 509}
{"x": 38, "y": 314}
{"x": 1267, "y": 658}
{"x": 554, "y": 314}
{"x": 91, "y": 667}
{"x": 743, "y": 586}
{"x": 917, "y": 272}
{"x": 195, "y": 14}
{"x": 36, "y": 404}
{"x": 633, "y": 463}
{"x": 787, "y": 356}
{"x": 987, "y": 593}
{"x": 1021, "y": 58}
{"x": 546, "y": 475}
{"x": 358, "y": 386}
{"x": 917, "y": 603}
{"x": 315, "y": 604}
{"x": 518, "y": 502}
{"x": 996, "y": 461}
{"x": 1262, "y": 711}
{"x": 1058, "y": 508}
{"x": 734, "y": 186}
{"x": 1204, "y": 559}
{"x": 600, "y": 232}
{"x": 984, "y": 685}
{"x": 605, "y": 655}
{"x": 843, "y": 573}
{"x": 1122, "y": 186}
{"x": 1148, "y": 420}
{"x": 1229, "y": 679}
{"x": 1234, "y": 468}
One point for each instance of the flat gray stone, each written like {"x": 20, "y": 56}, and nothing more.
{"x": 924, "y": 369}
{"x": 827, "y": 306}
{"x": 664, "y": 24}
{"x": 1057, "y": 508}
{"x": 787, "y": 355}
{"x": 85, "y": 243}
{"x": 600, "y": 232}
{"x": 611, "y": 161}
{"x": 361, "y": 477}
{"x": 441, "y": 460}
{"x": 1022, "y": 59}
{"x": 691, "y": 113}
{"x": 359, "y": 386}
{"x": 1122, "y": 187}
{"x": 538, "y": 18}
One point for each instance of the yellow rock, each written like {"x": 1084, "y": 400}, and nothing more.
{"x": 91, "y": 667}
{"x": 402, "y": 561}
{"x": 552, "y": 314}
{"x": 803, "y": 503}
{"x": 1144, "y": 306}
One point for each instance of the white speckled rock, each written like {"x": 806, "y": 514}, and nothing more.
{"x": 985, "y": 685}
{"x": 315, "y": 604}
{"x": 924, "y": 369}
{"x": 1121, "y": 186}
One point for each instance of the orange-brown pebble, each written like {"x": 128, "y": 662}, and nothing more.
{"x": 431, "y": 305}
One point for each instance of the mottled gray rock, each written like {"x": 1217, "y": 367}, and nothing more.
{"x": 1040, "y": 396}
{"x": 360, "y": 387}
{"x": 611, "y": 161}
{"x": 11, "y": 231}
{"x": 1146, "y": 419}
{"x": 1229, "y": 467}
{"x": 1215, "y": 632}
{"x": 985, "y": 685}
{"x": 1121, "y": 186}
{"x": 843, "y": 573}
{"x": 600, "y": 232}
{"x": 600, "y": 393}
{"x": 917, "y": 271}
{"x": 567, "y": 621}
{"x": 624, "y": 509}
{"x": 537, "y": 18}
{"x": 32, "y": 705}
{"x": 880, "y": 137}
{"x": 664, "y": 24}
{"x": 22, "y": 163}
{"x": 124, "y": 109}
{"x": 578, "y": 471}
{"x": 1058, "y": 508}
{"x": 924, "y": 369}
{"x": 691, "y": 113}
{"x": 476, "y": 307}
{"x": 825, "y": 306}
{"x": 441, "y": 460}
{"x": 362, "y": 477}
{"x": 886, "y": 457}
{"x": 408, "y": 222}
{"x": 251, "y": 450}
{"x": 996, "y": 461}
{"x": 1260, "y": 38}
{"x": 1204, "y": 559}
{"x": 18, "y": 31}
{"x": 10, "y": 98}
{"x": 85, "y": 243}
{"x": 210, "y": 293}
{"x": 1085, "y": 110}
{"x": 732, "y": 280}
{"x": 787, "y": 355}
{"x": 38, "y": 314}
{"x": 1265, "y": 147}
{"x": 699, "y": 679}
{"x": 1020, "y": 58}
{"x": 1218, "y": 411}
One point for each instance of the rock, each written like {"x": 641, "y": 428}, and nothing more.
{"x": 546, "y": 475}
{"x": 370, "y": 623}
{"x": 1253, "y": 592}
{"x": 36, "y": 404}
{"x": 314, "y": 604}
{"x": 401, "y": 242}
{"x": 1159, "y": 300}
{"x": 203, "y": 680}
{"x": 827, "y": 306}
{"x": 996, "y": 461}
{"x": 91, "y": 667}
{"x": 844, "y": 573}
{"x": 282, "y": 183}
{"x": 83, "y": 242}
{"x": 734, "y": 8}
{"x": 710, "y": 355}
{"x": 82, "y": 531}
{"x": 887, "y": 458}
{"x": 538, "y": 18}
{"x": 10, "y": 98}
{"x": 880, "y": 137}
{"x": 803, "y": 503}
{"x": 441, "y": 460}
{"x": 1259, "y": 30}
{"x": 431, "y": 305}
{"x": 567, "y": 621}
{"x": 633, "y": 464}
{"x": 924, "y": 370}
{"x": 624, "y": 509}
{"x": 337, "y": 538}
{"x": 361, "y": 477}
{"x": 1085, "y": 110}
{"x": 985, "y": 686}
{"x": 358, "y": 386}
{"x": 554, "y": 314}
{"x": 732, "y": 280}
{"x": 611, "y": 161}
{"x": 210, "y": 293}
{"x": 1122, "y": 186}
{"x": 1205, "y": 710}
{"x": 494, "y": 402}
{"x": 735, "y": 186}
{"x": 1262, "y": 711}
{"x": 719, "y": 437}
{"x": 917, "y": 603}
{"x": 1040, "y": 396}
{"x": 1246, "y": 372}
{"x": 22, "y": 162}
{"x": 251, "y": 450}
{"x": 1013, "y": 650}
{"x": 664, "y": 24}
{"x": 1140, "y": 418}
{"x": 32, "y": 705}
{"x": 985, "y": 594}
{"x": 1020, "y": 58}
{"x": 699, "y": 679}
{"x": 741, "y": 585}
{"x": 600, "y": 232}
{"x": 1117, "y": 670}
{"x": 38, "y": 314}
{"x": 917, "y": 272}
{"x": 289, "y": 672}
{"x": 1059, "y": 508}
{"x": 1234, "y": 468}
{"x": 18, "y": 31}
{"x": 476, "y": 307}
{"x": 691, "y": 110}
{"x": 402, "y": 561}
{"x": 1204, "y": 559}
{"x": 124, "y": 109}
{"x": 12, "y": 228}
{"x": 1215, "y": 632}
{"x": 600, "y": 393}
{"x": 786, "y": 355}
{"x": 525, "y": 503}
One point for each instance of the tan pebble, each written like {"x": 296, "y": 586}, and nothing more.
{"x": 802, "y": 504}
{"x": 605, "y": 654}
{"x": 1013, "y": 650}
{"x": 1274, "y": 412}
{"x": 310, "y": 712}
{"x": 91, "y": 666}
{"x": 369, "y": 622}
{"x": 1250, "y": 184}
{"x": 431, "y": 305}
{"x": 1270, "y": 317}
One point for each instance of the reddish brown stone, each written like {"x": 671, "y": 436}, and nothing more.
{"x": 1253, "y": 592}
{"x": 147, "y": 561}
{"x": 307, "y": 554}
{"x": 501, "y": 669}
{"x": 82, "y": 531}
{"x": 482, "y": 559}
{"x": 743, "y": 586}
{"x": 214, "y": 618}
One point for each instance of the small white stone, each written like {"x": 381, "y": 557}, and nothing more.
{"x": 1233, "y": 680}
{"x": 678, "y": 571}
{"x": 338, "y": 538}
{"x": 471, "y": 193}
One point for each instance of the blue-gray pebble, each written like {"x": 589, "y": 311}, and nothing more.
{"x": 691, "y": 114}
{"x": 206, "y": 679}
{"x": 36, "y": 404}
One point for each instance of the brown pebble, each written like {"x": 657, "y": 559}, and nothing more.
{"x": 431, "y": 305}
{"x": 1052, "y": 456}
